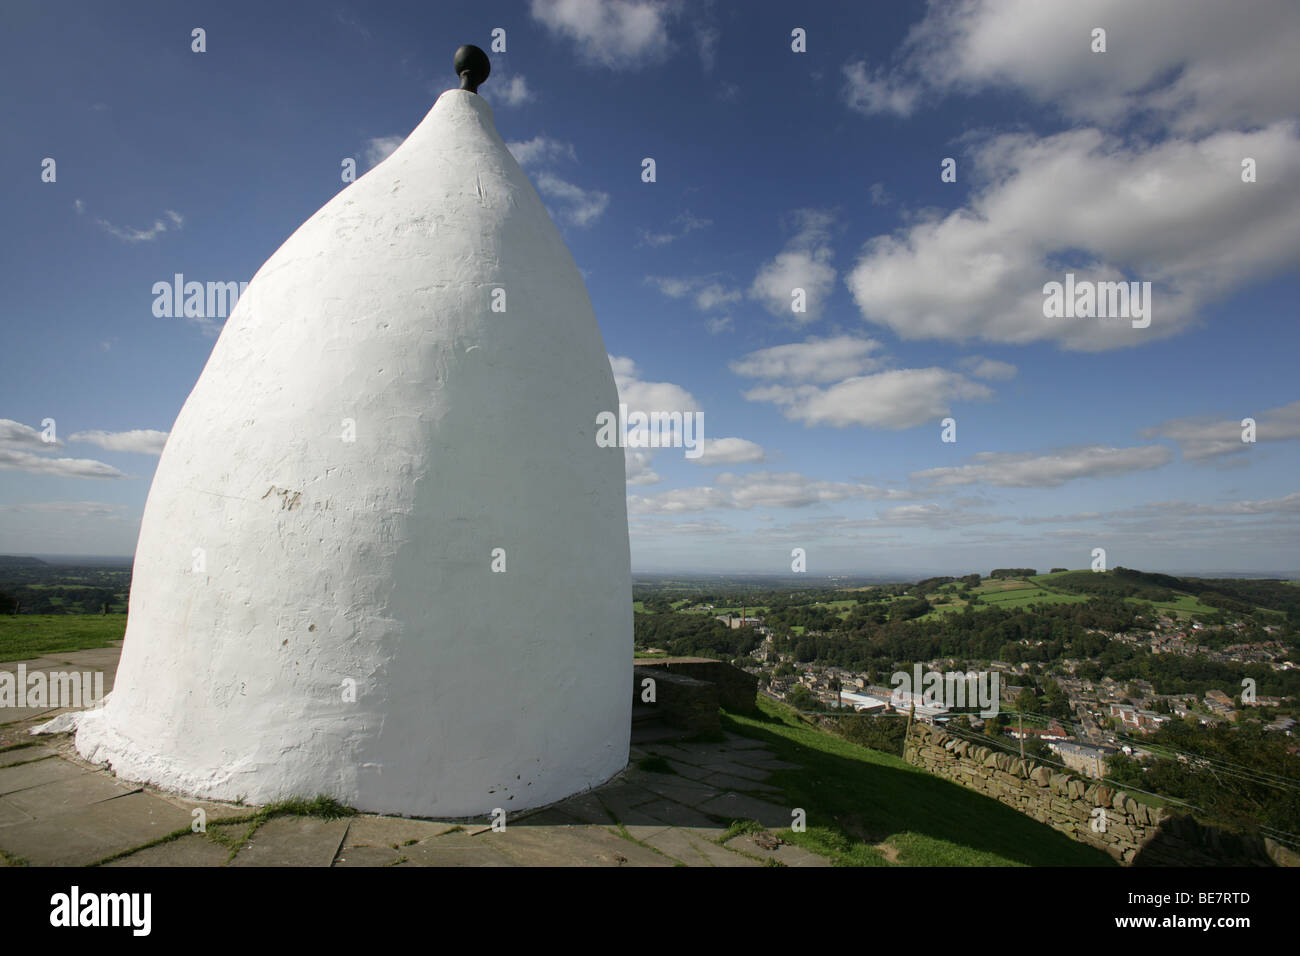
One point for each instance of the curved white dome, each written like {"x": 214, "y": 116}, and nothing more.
{"x": 277, "y": 561}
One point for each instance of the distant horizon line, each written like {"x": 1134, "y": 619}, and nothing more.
{"x": 904, "y": 574}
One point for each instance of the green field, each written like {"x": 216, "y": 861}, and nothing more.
{"x": 842, "y": 608}
{"x": 1185, "y": 606}
{"x": 1007, "y": 593}
{"x": 1021, "y": 592}
{"x": 25, "y": 636}
{"x": 867, "y": 808}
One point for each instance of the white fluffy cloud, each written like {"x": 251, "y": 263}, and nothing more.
{"x": 803, "y": 264}
{"x": 80, "y": 509}
{"x": 578, "y": 206}
{"x": 540, "y": 149}
{"x": 171, "y": 220}
{"x": 685, "y": 224}
{"x": 1201, "y": 438}
{"x": 816, "y": 360}
{"x": 142, "y": 441}
{"x": 759, "y": 489}
{"x": 513, "y": 92}
{"x": 902, "y": 398}
{"x": 13, "y": 459}
{"x": 17, "y": 435}
{"x": 933, "y": 515}
{"x": 639, "y": 471}
{"x": 878, "y": 92}
{"x": 1177, "y": 215}
{"x": 379, "y": 149}
{"x": 729, "y": 451}
{"x": 990, "y": 369}
{"x": 707, "y": 292}
{"x": 1193, "y": 65}
{"x": 23, "y": 449}
{"x": 648, "y": 397}
{"x": 619, "y": 34}
{"x": 1045, "y": 470}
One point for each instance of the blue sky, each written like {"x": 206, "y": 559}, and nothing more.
{"x": 775, "y": 170}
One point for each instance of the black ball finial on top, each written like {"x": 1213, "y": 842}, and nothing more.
{"x": 472, "y": 66}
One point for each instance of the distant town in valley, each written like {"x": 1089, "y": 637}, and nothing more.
{"x": 1150, "y": 681}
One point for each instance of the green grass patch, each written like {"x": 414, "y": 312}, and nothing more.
{"x": 1185, "y": 605}
{"x": 25, "y": 636}
{"x": 867, "y": 808}
{"x": 741, "y": 826}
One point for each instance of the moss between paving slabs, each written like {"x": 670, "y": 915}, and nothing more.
{"x": 867, "y": 808}
{"x": 326, "y": 808}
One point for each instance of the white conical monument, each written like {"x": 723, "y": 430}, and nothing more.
{"x": 383, "y": 558}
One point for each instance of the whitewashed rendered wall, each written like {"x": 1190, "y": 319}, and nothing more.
{"x": 371, "y": 560}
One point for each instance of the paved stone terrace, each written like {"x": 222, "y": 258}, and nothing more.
{"x": 56, "y": 809}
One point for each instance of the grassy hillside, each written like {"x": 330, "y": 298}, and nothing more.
{"x": 1174, "y": 596}
{"x": 25, "y": 636}
{"x": 867, "y": 808}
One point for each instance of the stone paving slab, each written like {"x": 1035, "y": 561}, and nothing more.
{"x": 683, "y": 791}
{"x": 551, "y": 817}
{"x": 689, "y": 770}
{"x": 736, "y": 742}
{"x": 726, "y": 781}
{"x": 10, "y": 815}
{"x": 293, "y": 841}
{"x": 641, "y": 831}
{"x": 671, "y": 813}
{"x": 37, "y": 773}
{"x": 14, "y": 715}
{"x": 760, "y": 761}
{"x": 623, "y": 799}
{"x": 455, "y": 849}
{"x": 368, "y": 856}
{"x": 35, "y": 664}
{"x": 376, "y": 831}
{"x": 738, "y": 806}
{"x": 571, "y": 846}
{"x": 786, "y": 853}
{"x": 63, "y": 796}
{"x": 691, "y": 850}
{"x": 702, "y": 753}
{"x": 193, "y": 850}
{"x": 213, "y": 812}
{"x": 92, "y": 658}
{"x": 736, "y": 770}
{"x": 585, "y": 807}
{"x": 90, "y": 834}
{"x": 25, "y": 755}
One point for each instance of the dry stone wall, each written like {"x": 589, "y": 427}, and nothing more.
{"x": 737, "y": 690}
{"x": 1134, "y": 834}
{"x": 680, "y": 701}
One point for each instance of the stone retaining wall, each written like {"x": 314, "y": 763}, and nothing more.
{"x": 737, "y": 690}
{"x": 680, "y": 701}
{"x": 1135, "y": 834}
